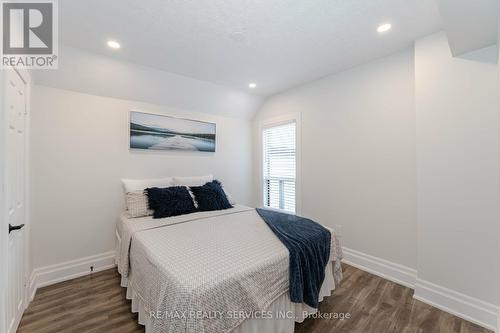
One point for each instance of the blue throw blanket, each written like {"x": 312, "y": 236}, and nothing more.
{"x": 309, "y": 245}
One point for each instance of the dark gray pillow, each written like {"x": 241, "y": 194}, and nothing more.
{"x": 170, "y": 201}
{"x": 210, "y": 196}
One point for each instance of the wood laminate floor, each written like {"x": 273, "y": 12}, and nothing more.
{"x": 96, "y": 303}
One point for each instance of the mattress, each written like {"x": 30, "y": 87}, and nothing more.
{"x": 200, "y": 272}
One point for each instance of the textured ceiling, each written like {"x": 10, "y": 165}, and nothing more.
{"x": 276, "y": 43}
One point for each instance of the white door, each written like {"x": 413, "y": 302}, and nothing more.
{"x": 15, "y": 153}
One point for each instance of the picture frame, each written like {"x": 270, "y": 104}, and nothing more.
{"x": 151, "y": 131}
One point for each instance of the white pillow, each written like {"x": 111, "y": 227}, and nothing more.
{"x": 132, "y": 185}
{"x": 137, "y": 204}
{"x": 193, "y": 181}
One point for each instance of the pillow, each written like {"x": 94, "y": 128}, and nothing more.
{"x": 198, "y": 181}
{"x": 193, "y": 181}
{"x": 137, "y": 204}
{"x": 211, "y": 196}
{"x": 170, "y": 201}
{"x": 131, "y": 185}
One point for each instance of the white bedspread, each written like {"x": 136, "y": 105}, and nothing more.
{"x": 200, "y": 272}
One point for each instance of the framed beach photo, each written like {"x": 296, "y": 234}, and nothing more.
{"x": 158, "y": 132}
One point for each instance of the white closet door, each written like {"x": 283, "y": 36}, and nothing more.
{"x": 15, "y": 151}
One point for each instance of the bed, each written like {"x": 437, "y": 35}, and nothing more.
{"x": 217, "y": 271}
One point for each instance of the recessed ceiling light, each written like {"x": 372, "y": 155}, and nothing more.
{"x": 252, "y": 85}
{"x": 113, "y": 44}
{"x": 384, "y": 27}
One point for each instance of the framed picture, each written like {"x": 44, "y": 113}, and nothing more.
{"x": 157, "y": 132}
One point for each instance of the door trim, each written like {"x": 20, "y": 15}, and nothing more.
{"x": 25, "y": 77}
{"x": 3, "y": 231}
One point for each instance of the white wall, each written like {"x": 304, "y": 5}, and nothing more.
{"x": 458, "y": 165}
{"x": 79, "y": 151}
{"x": 107, "y": 76}
{"x": 358, "y": 154}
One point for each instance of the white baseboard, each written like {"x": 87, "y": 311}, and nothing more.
{"x": 471, "y": 309}
{"x": 44, "y": 276}
{"x": 397, "y": 273}
{"x": 458, "y": 304}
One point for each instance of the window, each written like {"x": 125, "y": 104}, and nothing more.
{"x": 279, "y": 166}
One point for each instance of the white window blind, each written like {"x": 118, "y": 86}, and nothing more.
{"x": 279, "y": 167}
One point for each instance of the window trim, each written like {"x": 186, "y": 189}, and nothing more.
{"x": 272, "y": 122}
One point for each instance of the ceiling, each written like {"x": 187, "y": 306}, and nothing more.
{"x": 278, "y": 44}
{"x": 470, "y": 25}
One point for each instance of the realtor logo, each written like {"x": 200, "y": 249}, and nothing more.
{"x": 29, "y": 34}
